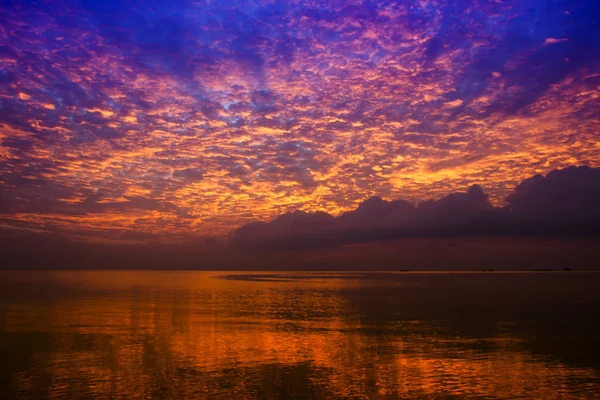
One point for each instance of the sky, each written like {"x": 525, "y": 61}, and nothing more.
{"x": 150, "y": 120}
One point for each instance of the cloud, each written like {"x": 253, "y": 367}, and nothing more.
{"x": 554, "y": 41}
{"x": 192, "y": 174}
{"x": 563, "y": 202}
{"x": 453, "y": 103}
{"x": 244, "y": 112}
{"x": 289, "y": 225}
{"x": 571, "y": 195}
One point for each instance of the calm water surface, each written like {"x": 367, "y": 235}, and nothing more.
{"x": 168, "y": 335}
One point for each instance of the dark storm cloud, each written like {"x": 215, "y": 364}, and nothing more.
{"x": 563, "y": 202}
{"x": 568, "y": 195}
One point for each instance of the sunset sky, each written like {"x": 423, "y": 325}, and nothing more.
{"x": 149, "y": 119}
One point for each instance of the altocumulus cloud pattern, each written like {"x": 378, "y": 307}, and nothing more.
{"x": 144, "y": 118}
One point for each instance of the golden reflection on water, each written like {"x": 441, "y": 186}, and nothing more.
{"x": 201, "y": 335}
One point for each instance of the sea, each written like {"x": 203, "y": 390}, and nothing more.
{"x": 299, "y": 335}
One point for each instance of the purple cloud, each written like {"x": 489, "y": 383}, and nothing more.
{"x": 564, "y": 201}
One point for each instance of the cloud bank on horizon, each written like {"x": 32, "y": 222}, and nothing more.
{"x": 550, "y": 222}
{"x": 152, "y": 119}
{"x": 564, "y": 202}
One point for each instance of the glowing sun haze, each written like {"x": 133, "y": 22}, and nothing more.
{"x": 183, "y": 118}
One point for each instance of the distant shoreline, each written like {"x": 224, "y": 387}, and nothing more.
{"x": 318, "y": 271}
